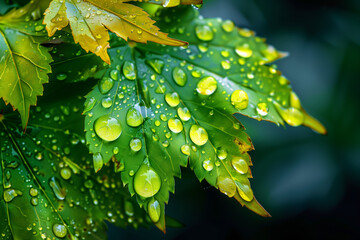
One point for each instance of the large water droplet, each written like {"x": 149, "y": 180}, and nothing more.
{"x": 59, "y": 230}
{"x": 204, "y": 32}
{"x": 129, "y": 70}
{"x": 179, "y": 76}
{"x": 98, "y": 161}
{"x": 154, "y": 210}
{"x": 206, "y": 86}
{"x": 226, "y": 185}
{"x": 262, "y": 109}
{"x": 105, "y": 85}
{"x": 198, "y": 135}
{"x": 135, "y": 144}
{"x": 240, "y": 99}
{"x": 175, "y": 125}
{"x": 108, "y": 128}
{"x": 184, "y": 114}
{"x": 59, "y": 192}
{"x": 146, "y": 181}
{"x": 134, "y": 117}
{"x": 172, "y": 99}
{"x": 221, "y": 153}
{"x": 240, "y": 165}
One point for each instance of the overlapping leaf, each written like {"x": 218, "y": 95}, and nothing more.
{"x": 47, "y": 187}
{"x": 24, "y": 64}
{"x": 89, "y": 21}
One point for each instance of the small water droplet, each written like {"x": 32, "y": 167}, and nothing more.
{"x": 245, "y": 190}
{"x": 244, "y": 51}
{"x": 262, "y": 109}
{"x": 228, "y": 26}
{"x": 185, "y": 149}
{"x": 98, "y": 161}
{"x": 208, "y": 165}
{"x": 184, "y": 114}
{"x": 65, "y": 173}
{"x": 154, "y": 210}
{"x": 129, "y": 70}
{"x": 89, "y": 104}
{"x": 226, "y": 185}
{"x": 106, "y": 102}
{"x": 105, "y": 85}
{"x": 58, "y": 191}
{"x": 179, "y": 76}
{"x": 221, "y": 153}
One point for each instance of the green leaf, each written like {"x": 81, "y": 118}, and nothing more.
{"x": 159, "y": 107}
{"x": 47, "y": 187}
{"x": 71, "y": 62}
{"x": 24, "y": 63}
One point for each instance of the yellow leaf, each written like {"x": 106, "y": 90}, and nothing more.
{"x": 90, "y": 21}
{"x": 168, "y": 3}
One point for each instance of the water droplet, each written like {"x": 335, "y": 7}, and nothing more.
{"x": 179, "y": 76}
{"x": 106, "y": 102}
{"x": 10, "y": 194}
{"x": 59, "y": 192}
{"x": 89, "y": 104}
{"x": 208, "y": 165}
{"x": 245, "y": 190}
{"x": 185, "y": 149}
{"x": 204, "y": 32}
{"x": 59, "y": 230}
{"x": 39, "y": 28}
{"x": 33, "y": 192}
{"x": 184, "y": 114}
{"x": 226, "y": 64}
{"x": 135, "y": 144}
{"x": 156, "y": 64}
{"x": 129, "y": 70}
{"x": 198, "y": 135}
{"x": 129, "y": 208}
{"x": 115, "y": 150}
{"x": 172, "y": 99}
{"x": 244, "y": 51}
{"x": 134, "y": 117}
{"x": 240, "y": 99}
{"x": 206, "y": 86}
{"x": 98, "y": 161}
{"x": 221, "y": 153}
{"x": 105, "y": 85}
{"x": 262, "y": 109}
{"x": 175, "y": 125}
{"x": 65, "y": 173}
{"x": 114, "y": 74}
{"x": 228, "y": 26}
{"x": 34, "y": 201}
{"x": 226, "y": 185}
{"x": 292, "y": 116}
{"x": 146, "y": 181}
{"x": 108, "y": 128}
{"x": 61, "y": 77}
{"x": 240, "y": 165}
{"x": 154, "y": 210}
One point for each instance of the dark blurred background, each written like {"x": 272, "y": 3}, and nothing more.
{"x": 310, "y": 184}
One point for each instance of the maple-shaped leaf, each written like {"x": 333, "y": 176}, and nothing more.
{"x": 47, "y": 187}
{"x": 24, "y": 63}
{"x": 90, "y": 21}
{"x": 159, "y": 107}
